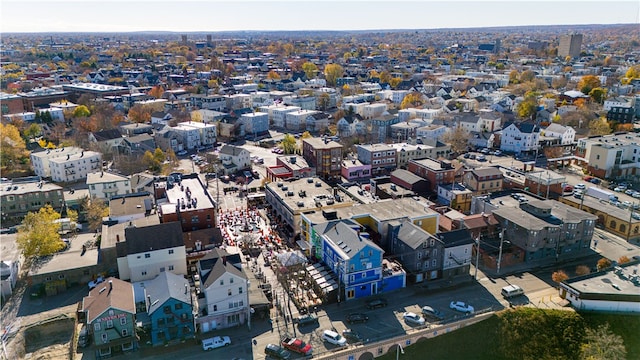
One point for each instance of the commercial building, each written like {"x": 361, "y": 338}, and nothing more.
{"x": 611, "y": 156}
{"x": 381, "y": 157}
{"x": 570, "y": 45}
{"x": 323, "y": 155}
{"x": 185, "y": 199}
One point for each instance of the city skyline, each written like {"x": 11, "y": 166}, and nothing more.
{"x": 264, "y": 15}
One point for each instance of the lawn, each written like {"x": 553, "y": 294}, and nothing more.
{"x": 479, "y": 341}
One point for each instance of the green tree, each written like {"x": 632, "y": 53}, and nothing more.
{"x": 332, "y": 72}
{"x": 458, "y": 138}
{"x": 588, "y": 83}
{"x": 289, "y": 144}
{"x": 310, "y": 69}
{"x": 81, "y": 111}
{"x": 38, "y": 235}
{"x": 603, "y": 344}
{"x": 598, "y": 94}
{"x": 599, "y": 127}
{"x": 96, "y": 210}
{"x": 32, "y": 131}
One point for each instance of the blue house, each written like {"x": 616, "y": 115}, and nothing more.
{"x": 356, "y": 260}
{"x": 168, "y": 299}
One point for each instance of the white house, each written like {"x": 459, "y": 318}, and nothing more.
{"x": 255, "y": 123}
{"x": 618, "y": 101}
{"x": 519, "y": 138}
{"x": 277, "y": 113}
{"x": 370, "y": 111}
{"x": 40, "y": 160}
{"x": 104, "y": 185}
{"x": 398, "y": 95}
{"x": 71, "y": 168}
{"x": 207, "y": 132}
{"x": 296, "y": 121}
{"x": 9, "y": 271}
{"x": 189, "y": 135}
{"x": 147, "y": 251}
{"x": 566, "y": 134}
{"x": 431, "y": 132}
{"x": 226, "y": 291}
{"x": 234, "y": 158}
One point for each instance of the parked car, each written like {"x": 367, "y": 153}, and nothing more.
{"x": 413, "y": 318}
{"x": 636, "y": 194}
{"x": 595, "y": 181}
{"x": 357, "y": 318}
{"x": 94, "y": 283}
{"x": 181, "y": 153}
{"x": 215, "y": 342}
{"x": 481, "y": 158}
{"x": 305, "y": 320}
{"x": 497, "y": 153}
{"x": 461, "y": 306}
{"x": 376, "y": 303}
{"x": 277, "y": 352}
{"x": 334, "y": 338}
{"x": 466, "y": 156}
{"x": 472, "y": 156}
{"x": 485, "y": 151}
{"x": 629, "y": 191}
{"x": 580, "y": 186}
{"x": 430, "y": 312}
{"x": 352, "y": 336}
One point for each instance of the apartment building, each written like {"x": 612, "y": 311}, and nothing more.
{"x": 436, "y": 171}
{"x": 72, "y": 168}
{"x": 185, "y": 199}
{"x": 382, "y": 158}
{"x": 323, "y": 155}
{"x": 18, "y": 197}
{"x": 104, "y": 185}
{"x": 611, "y": 156}
{"x": 483, "y": 180}
{"x": 432, "y": 149}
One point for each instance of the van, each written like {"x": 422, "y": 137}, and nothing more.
{"x": 511, "y": 291}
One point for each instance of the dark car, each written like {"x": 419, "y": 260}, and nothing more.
{"x": 376, "y": 303}
{"x": 595, "y": 181}
{"x": 352, "y": 336}
{"x": 357, "y": 318}
{"x": 432, "y": 313}
{"x": 467, "y": 155}
{"x": 277, "y": 351}
{"x": 308, "y": 319}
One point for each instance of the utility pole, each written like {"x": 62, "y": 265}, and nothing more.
{"x": 477, "y": 256}
{"x": 500, "y": 252}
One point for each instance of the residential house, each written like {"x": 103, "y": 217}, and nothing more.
{"x": 483, "y": 180}
{"x": 354, "y": 170}
{"x": 138, "y": 145}
{"x": 136, "y": 129}
{"x": 431, "y": 132}
{"x": 9, "y": 272}
{"x": 458, "y": 246}
{"x": 356, "y": 260}
{"x": 566, "y": 134}
{"x": 611, "y": 156}
{"x": 151, "y": 250}
{"x": 226, "y": 291}
{"x": 107, "y": 141}
{"x": 351, "y": 125}
{"x": 482, "y": 139}
{"x": 170, "y": 308}
{"x": 19, "y": 197}
{"x": 435, "y": 171}
{"x": 161, "y": 117}
{"x": 209, "y": 102}
{"x": 207, "y": 133}
{"x": 104, "y": 185}
{"x": 428, "y": 149}
{"x": 126, "y": 208}
{"x": 40, "y": 159}
{"x": 297, "y": 120}
{"x": 624, "y": 115}
{"x": 189, "y": 135}
{"x": 255, "y": 123}
{"x": 382, "y": 158}
{"x": 381, "y": 127}
{"x": 74, "y": 167}
{"x": 419, "y": 252}
{"x": 455, "y": 195}
{"x": 618, "y": 102}
{"x": 517, "y": 138}
{"x": 323, "y": 155}
{"x": 317, "y": 123}
{"x": 234, "y": 158}
{"x": 185, "y": 199}
{"x": 166, "y": 139}
{"x": 277, "y": 114}
{"x": 109, "y": 312}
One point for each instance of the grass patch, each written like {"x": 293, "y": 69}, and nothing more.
{"x": 481, "y": 340}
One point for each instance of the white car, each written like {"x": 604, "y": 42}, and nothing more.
{"x": 580, "y": 187}
{"x": 461, "y": 306}
{"x": 334, "y": 338}
{"x": 413, "y": 318}
{"x": 215, "y": 342}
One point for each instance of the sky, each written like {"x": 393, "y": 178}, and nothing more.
{"x": 219, "y": 15}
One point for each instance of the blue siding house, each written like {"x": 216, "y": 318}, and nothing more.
{"x": 356, "y": 260}
{"x": 168, "y": 299}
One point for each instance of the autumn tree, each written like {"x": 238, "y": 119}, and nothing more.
{"x": 332, "y": 72}
{"x": 196, "y": 116}
{"x": 32, "y": 131}
{"x": 559, "y": 276}
{"x": 323, "y": 101}
{"x": 631, "y": 74}
{"x": 603, "y": 264}
{"x": 458, "y": 138}
{"x": 38, "y": 235}
{"x": 603, "y": 344}
{"x": 306, "y": 135}
{"x": 599, "y": 127}
{"x": 623, "y": 260}
{"x": 527, "y": 76}
{"x": 588, "y": 83}
{"x": 273, "y": 75}
{"x": 12, "y": 145}
{"x": 96, "y": 210}
{"x": 81, "y": 111}
{"x": 412, "y": 100}
{"x": 527, "y": 108}
{"x": 394, "y": 82}
{"x": 139, "y": 114}
{"x": 598, "y": 94}
{"x": 559, "y": 82}
{"x": 582, "y": 270}
{"x": 385, "y": 77}
{"x": 289, "y": 144}
{"x": 156, "y": 91}
{"x": 154, "y": 160}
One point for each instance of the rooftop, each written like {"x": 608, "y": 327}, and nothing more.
{"x": 104, "y": 177}
{"x": 319, "y": 143}
{"x": 27, "y": 188}
{"x": 604, "y": 206}
{"x": 619, "y": 283}
{"x": 190, "y": 194}
{"x": 306, "y": 194}
{"x": 137, "y": 203}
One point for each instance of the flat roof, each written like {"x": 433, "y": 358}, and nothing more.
{"x": 104, "y": 177}
{"x": 545, "y": 176}
{"x": 290, "y": 192}
{"x": 26, "y": 188}
{"x": 115, "y": 233}
{"x": 130, "y": 204}
{"x": 84, "y": 154}
{"x": 318, "y": 143}
{"x": 95, "y": 87}
{"x": 604, "y": 206}
{"x": 615, "y": 283}
{"x": 71, "y": 258}
{"x": 196, "y": 191}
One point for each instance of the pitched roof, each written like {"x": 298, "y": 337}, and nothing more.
{"x": 150, "y": 238}
{"x": 105, "y": 135}
{"x": 486, "y": 171}
{"x": 344, "y": 236}
{"x": 221, "y": 267}
{"x": 407, "y": 176}
{"x": 165, "y": 286}
{"x": 231, "y": 150}
{"x": 112, "y": 293}
{"x": 412, "y": 235}
{"x": 455, "y": 238}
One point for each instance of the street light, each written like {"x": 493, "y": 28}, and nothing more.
{"x": 500, "y": 252}
{"x": 477, "y": 257}
{"x": 399, "y": 350}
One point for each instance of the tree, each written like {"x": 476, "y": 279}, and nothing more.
{"x": 598, "y": 94}
{"x": 588, "y": 83}
{"x": 559, "y": 276}
{"x": 310, "y": 69}
{"x": 603, "y": 264}
{"x": 81, "y": 111}
{"x": 458, "y": 138}
{"x": 32, "y": 131}
{"x": 273, "y": 75}
{"x": 139, "y": 113}
{"x": 514, "y": 77}
{"x": 394, "y": 82}
{"x": 332, "y": 72}
{"x": 323, "y": 101}
{"x": 38, "y": 235}
{"x": 599, "y": 127}
{"x": 305, "y": 135}
{"x": 196, "y": 116}
{"x": 153, "y": 161}
{"x": 603, "y": 344}
{"x": 412, "y": 100}
{"x": 385, "y": 77}
{"x": 582, "y": 270}
{"x": 527, "y": 76}
{"x": 527, "y": 107}
{"x": 623, "y": 260}
{"x": 289, "y": 144}
{"x": 156, "y": 91}
{"x": 96, "y": 210}
{"x": 12, "y": 145}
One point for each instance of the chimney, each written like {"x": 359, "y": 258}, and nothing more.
{"x": 186, "y": 289}
{"x": 68, "y": 156}
{"x": 224, "y": 260}
{"x": 110, "y": 286}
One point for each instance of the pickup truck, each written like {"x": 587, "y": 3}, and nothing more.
{"x": 296, "y": 345}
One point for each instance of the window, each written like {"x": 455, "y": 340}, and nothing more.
{"x": 123, "y": 321}
{"x": 170, "y": 267}
{"x": 125, "y": 332}
{"x": 229, "y": 292}
{"x": 178, "y": 306}
{"x": 96, "y": 326}
{"x": 146, "y": 256}
{"x": 170, "y": 251}
{"x": 434, "y": 262}
{"x": 105, "y": 338}
{"x": 161, "y": 322}
{"x": 240, "y": 290}
{"x": 144, "y": 273}
{"x": 109, "y": 324}
{"x": 215, "y": 307}
{"x": 221, "y": 282}
{"x": 162, "y": 269}
{"x": 231, "y": 281}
